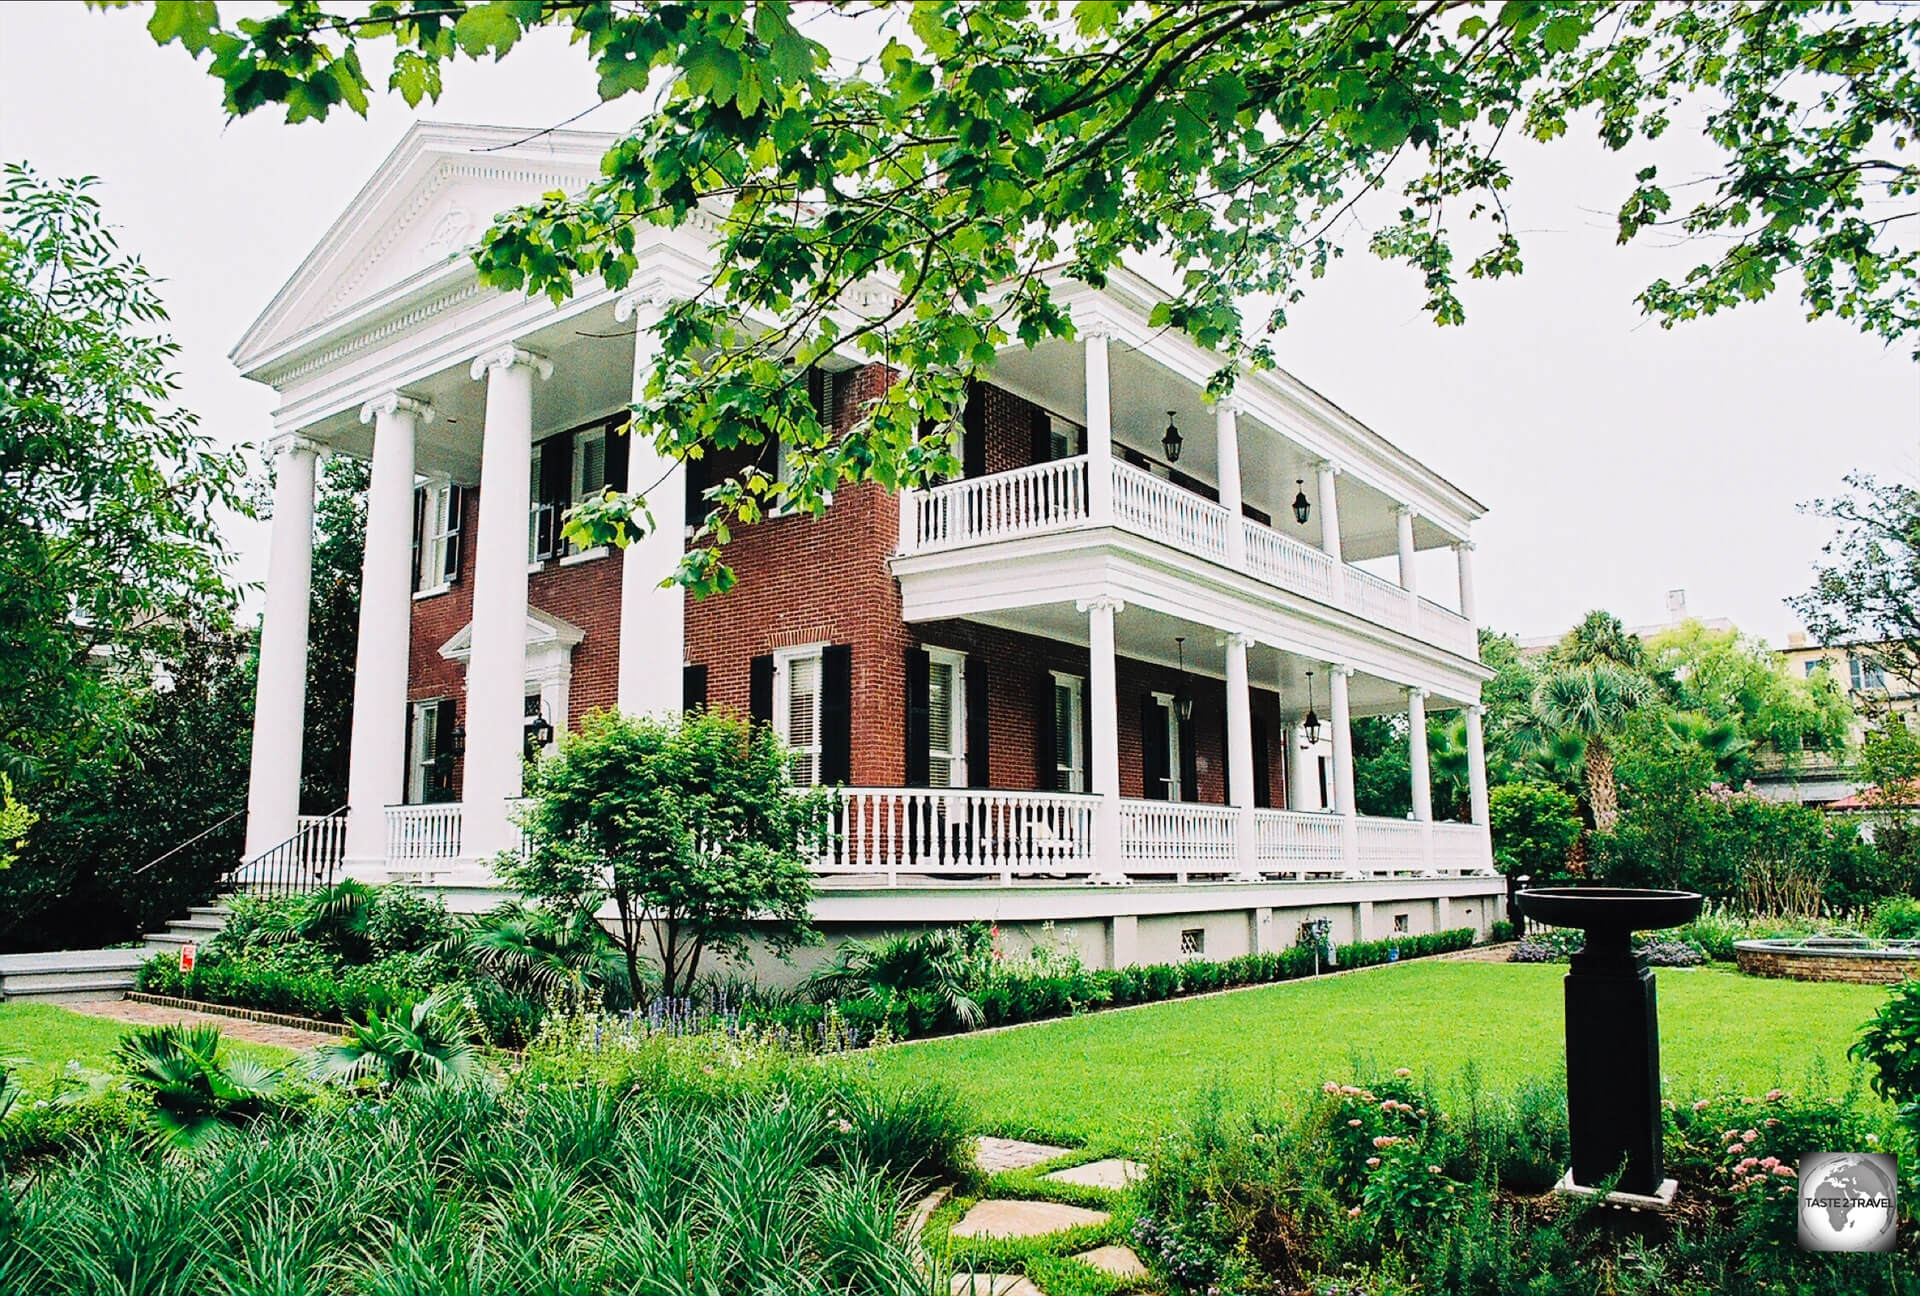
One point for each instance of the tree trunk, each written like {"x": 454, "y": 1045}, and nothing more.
{"x": 1603, "y": 794}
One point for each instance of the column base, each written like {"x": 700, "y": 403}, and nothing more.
{"x": 1660, "y": 1201}
{"x": 1109, "y": 879}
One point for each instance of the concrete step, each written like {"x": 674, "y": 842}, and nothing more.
{"x": 171, "y": 940}
{"x": 196, "y": 928}
{"x": 70, "y": 974}
{"x": 218, "y": 911}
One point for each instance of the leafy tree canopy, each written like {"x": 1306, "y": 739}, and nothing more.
{"x": 691, "y": 828}
{"x": 988, "y": 150}
{"x": 1867, "y": 592}
{"x": 1727, "y": 678}
{"x": 108, "y": 491}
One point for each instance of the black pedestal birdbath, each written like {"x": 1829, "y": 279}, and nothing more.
{"x": 1613, "y": 1029}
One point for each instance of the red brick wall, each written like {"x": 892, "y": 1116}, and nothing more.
{"x": 826, "y": 579}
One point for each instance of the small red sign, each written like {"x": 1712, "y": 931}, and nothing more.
{"x": 186, "y": 957}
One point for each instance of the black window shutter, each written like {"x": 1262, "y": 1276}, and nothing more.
{"x": 1041, "y": 429}
{"x": 556, "y": 486}
{"x": 1086, "y": 729}
{"x": 693, "y": 688}
{"x": 406, "y": 783}
{"x": 973, "y": 439}
{"x": 1226, "y": 760}
{"x": 1046, "y": 755}
{"x": 836, "y": 714}
{"x": 443, "y": 717}
{"x": 419, "y": 530}
{"x": 918, "y": 717}
{"x": 1154, "y": 757}
{"x": 1189, "y": 763}
{"x": 760, "y": 689}
{"x": 978, "y": 741}
{"x": 456, "y": 532}
{"x": 1262, "y": 766}
{"x": 619, "y": 447}
{"x": 696, "y": 491}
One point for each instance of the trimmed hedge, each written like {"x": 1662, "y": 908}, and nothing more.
{"x": 1007, "y": 1000}
{"x": 263, "y": 981}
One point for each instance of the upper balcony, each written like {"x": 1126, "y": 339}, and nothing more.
{"x": 1059, "y": 498}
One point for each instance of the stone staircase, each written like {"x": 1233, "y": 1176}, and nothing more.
{"x": 74, "y": 976}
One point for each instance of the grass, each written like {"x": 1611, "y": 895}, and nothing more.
{"x": 1112, "y": 1078}
{"x": 46, "y": 1038}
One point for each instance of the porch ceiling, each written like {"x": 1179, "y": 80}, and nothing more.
{"x": 1146, "y": 634}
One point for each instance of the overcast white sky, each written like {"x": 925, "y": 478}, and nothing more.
{"x": 1619, "y": 460}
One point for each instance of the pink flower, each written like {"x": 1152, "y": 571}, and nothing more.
{"x": 1750, "y": 1135}
{"x": 1354, "y": 1213}
{"x": 1775, "y": 1095}
{"x": 1730, "y": 1135}
{"x": 1354, "y": 1123}
{"x": 1701, "y": 1105}
{"x": 1385, "y": 1141}
{"x": 1771, "y": 1162}
{"x": 1403, "y": 1072}
{"x": 1771, "y": 1123}
{"x": 1433, "y": 1169}
{"x": 1373, "y": 1163}
{"x": 1330, "y": 1087}
{"x": 1737, "y": 1149}
{"x": 1787, "y": 1172}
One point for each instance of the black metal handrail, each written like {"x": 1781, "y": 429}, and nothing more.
{"x": 204, "y": 833}
{"x": 307, "y": 861}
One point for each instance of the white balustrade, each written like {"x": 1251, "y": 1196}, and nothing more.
{"x": 423, "y": 832}
{"x": 959, "y": 830}
{"x": 1297, "y": 843}
{"x": 1158, "y": 509}
{"x": 1390, "y": 846}
{"x": 1052, "y": 497}
{"x": 1000, "y": 506}
{"x": 1177, "y": 837}
{"x": 1281, "y": 560}
{"x": 1462, "y": 849}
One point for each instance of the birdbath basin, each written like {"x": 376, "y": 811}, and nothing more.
{"x": 1613, "y": 1034}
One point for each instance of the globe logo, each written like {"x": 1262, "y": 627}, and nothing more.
{"x": 1847, "y": 1201}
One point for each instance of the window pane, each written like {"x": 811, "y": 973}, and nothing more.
{"x": 939, "y": 771}
{"x": 803, "y": 701}
{"x": 940, "y": 708}
{"x": 1066, "y": 734}
{"x": 593, "y": 466}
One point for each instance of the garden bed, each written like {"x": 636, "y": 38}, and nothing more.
{"x": 1858, "y": 960}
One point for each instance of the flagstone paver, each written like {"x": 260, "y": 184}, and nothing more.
{"x": 1119, "y": 1261}
{"x": 1000, "y": 1218}
{"x": 923, "y": 1210}
{"x": 993, "y": 1285}
{"x": 1114, "y": 1172}
{"x": 997, "y": 1154}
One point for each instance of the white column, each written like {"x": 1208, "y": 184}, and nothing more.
{"x": 1226, "y": 436}
{"x": 1422, "y": 779}
{"x": 1099, "y": 430}
{"x": 497, "y": 665}
{"x": 1329, "y": 511}
{"x": 653, "y": 615}
{"x": 1240, "y": 756}
{"x": 1476, "y": 766}
{"x": 1403, "y": 522}
{"x": 1463, "y": 558}
{"x": 1417, "y": 754}
{"x": 280, "y": 699}
{"x": 377, "y": 761}
{"x": 1303, "y": 771}
{"x": 1341, "y": 715}
{"x": 1103, "y": 699}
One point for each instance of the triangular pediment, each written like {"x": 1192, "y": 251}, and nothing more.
{"x": 413, "y": 222}
{"x": 544, "y": 630}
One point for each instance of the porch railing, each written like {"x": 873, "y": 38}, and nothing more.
{"x": 1177, "y": 837}
{"x": 1052, "y": 497}
{"x": 887, "y": 831}
{"x": 1461, "y": 848}
{"x": 417, "y": 833}
{"x": 1389, "y": 846}
{"x": 1298, "y": 843}
{"x": 306, "y": 861}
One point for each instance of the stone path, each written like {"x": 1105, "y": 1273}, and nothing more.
{"x": 1114, "y": 1173}
{"x": 997, "y": 1154}
{"x": 1005, "y": 1218}
{"x": 140, "y": 1014}
{"x": 1119, "y": 1261}
{"x": 1478, "y": 954}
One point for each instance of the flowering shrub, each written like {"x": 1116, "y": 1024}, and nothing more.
{"x": 1558, "y": 944}
{"x": 1748, "y": 1148}
{"x": 1364, "y": 1121}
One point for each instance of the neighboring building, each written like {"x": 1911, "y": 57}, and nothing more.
{"x": 1827, "y": 779}
{"x": 989, "y": 669}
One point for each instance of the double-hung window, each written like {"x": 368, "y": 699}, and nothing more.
{"x": 946, "y": 718}
{"x": 436, "y": 536}
{"x": 1069, "y": 756}
{"x": 589, "y": 462}
{"x": 796, "y": 709}
{"x": 430, "y": 762}
{"x": 1867, "y": 677}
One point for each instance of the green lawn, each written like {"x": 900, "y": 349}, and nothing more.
{"x": 47, "y": 1037}
{"x": 1113, "y": 1077}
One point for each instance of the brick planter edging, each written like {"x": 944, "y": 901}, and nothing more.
{"x": 1860, "y": 969}
{"x": 312, "y": 1025}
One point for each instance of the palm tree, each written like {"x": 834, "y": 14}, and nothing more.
{"x": 538, "y": 953}
{"x": 196, "y": 1090}
{"x": 1719, "y": 739}
{"x": 428, "y": 1046}
{"x": 932, "y": 963}
{"x": 1592, "y": 702}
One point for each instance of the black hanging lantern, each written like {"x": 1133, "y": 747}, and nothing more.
{"x": 1302, "y": 510}
{"x": 458, "y": 747}
{"x": 1183, "y": 700}
{"x": 1310, "y": 725}
{"x": 1171, "y": 441}
{"x": 539, "y": 732}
